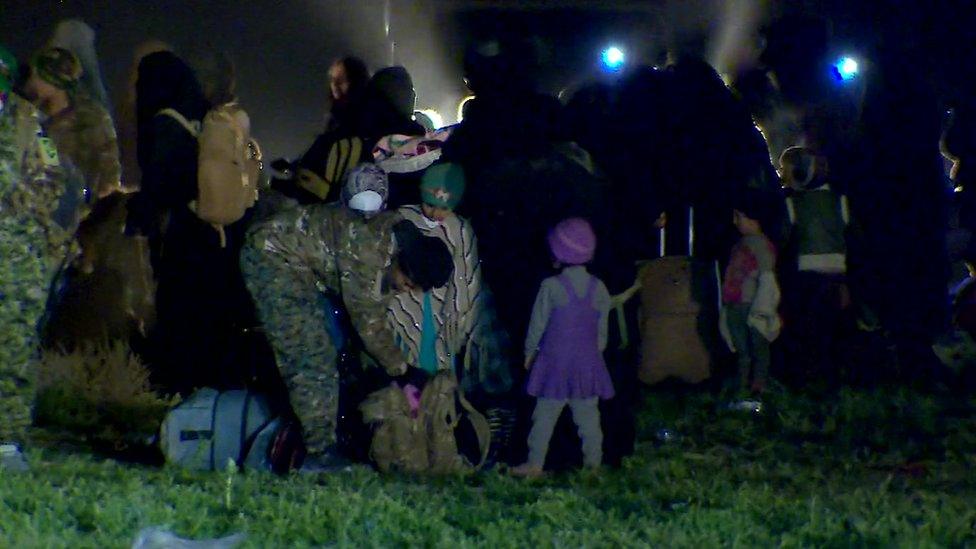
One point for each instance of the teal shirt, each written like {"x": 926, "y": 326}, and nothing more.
{"x": 428, "y": 338}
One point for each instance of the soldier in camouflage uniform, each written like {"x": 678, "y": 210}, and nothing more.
{"x": 294, "y": 258}
{"x": 32, "y": 245}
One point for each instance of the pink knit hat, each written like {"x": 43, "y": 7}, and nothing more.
{"x": 572, "y": 241}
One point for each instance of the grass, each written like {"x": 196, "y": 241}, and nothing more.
{"x": 868, "y": 469}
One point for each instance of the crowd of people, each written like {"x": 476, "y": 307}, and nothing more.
{"x": 497, "y": 251}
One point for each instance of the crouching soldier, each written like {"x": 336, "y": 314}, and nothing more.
{"x": 32, "y": 245}
{"x": 301, "y": 254}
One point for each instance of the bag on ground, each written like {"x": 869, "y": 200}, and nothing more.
{"x": 210, "y": 428}
{"x": 425, "y": 441}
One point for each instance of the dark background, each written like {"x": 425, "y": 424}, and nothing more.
{"x": 283, "y": 48}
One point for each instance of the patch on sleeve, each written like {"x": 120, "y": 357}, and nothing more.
{"x": 49, "y": 152}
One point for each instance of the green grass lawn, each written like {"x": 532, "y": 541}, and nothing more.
{"x": 861, "y": 469}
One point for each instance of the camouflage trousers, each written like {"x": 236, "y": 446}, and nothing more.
{"x": 292, "y": 311}
{"x": 24, "y": 285}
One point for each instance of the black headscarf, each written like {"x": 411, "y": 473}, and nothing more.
{"x": 387, "y": 107}
{"x": 165, "y": 82}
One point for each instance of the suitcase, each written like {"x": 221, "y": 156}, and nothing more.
{"x": 678, "y": 316}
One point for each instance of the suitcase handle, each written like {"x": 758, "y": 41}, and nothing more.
{"x": 662, "y": 234}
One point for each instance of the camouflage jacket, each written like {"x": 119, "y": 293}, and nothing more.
{"x": 339, "y": 250}
{"x": 31, "y": 182}
{"x": 31, "y": 246}
{"x": 85, "y": 135}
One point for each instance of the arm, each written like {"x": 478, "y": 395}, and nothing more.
{"x": 471, "y": 277}
{"x": 763, "y": 314}
{"x": 363, "y": 254}
{"x": 540, "y": 318}
{"x": 43, "y": 190}
{"x": 105, "y": 147}
{"x": 367, "y": 310}
{"x": 170, "y": 175}
{"x": 603, "y": 305}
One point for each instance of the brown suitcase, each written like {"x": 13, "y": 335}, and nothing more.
{"x": 678, "y": 318}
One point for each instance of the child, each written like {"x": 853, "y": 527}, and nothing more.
{"x": 818, "y": 300}
{"x": 564, "y": 348}
{"x": 750, "y": 296}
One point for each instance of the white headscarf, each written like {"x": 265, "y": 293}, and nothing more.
{"x": 77, "y": 37}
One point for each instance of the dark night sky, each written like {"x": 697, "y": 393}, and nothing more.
{"x": 282, "y": 48}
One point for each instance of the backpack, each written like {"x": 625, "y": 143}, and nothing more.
{"x": 209, "y": 428}
{"x": 228, "y": 165}
{"x": 428, "y": 441}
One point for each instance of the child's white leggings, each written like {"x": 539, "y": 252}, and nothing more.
{"x": 586, "y": 415}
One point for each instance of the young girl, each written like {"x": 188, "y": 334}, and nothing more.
{"x": 564, "y": 348}
{"x": 750, "y": 296}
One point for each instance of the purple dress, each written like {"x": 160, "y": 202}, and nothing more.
{"x": 569, "y": 364}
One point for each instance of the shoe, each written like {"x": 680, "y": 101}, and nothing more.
{"x": 329, "y": 462}
{"x": 527, "y": 470}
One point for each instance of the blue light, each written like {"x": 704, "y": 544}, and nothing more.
{"x": 846, "y": 68}
{"x": 613, "y": 58}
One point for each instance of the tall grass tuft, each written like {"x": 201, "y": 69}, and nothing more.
{"x": 101, "y": 392}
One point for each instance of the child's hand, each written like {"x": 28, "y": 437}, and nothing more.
{"x": 529, "y": 360}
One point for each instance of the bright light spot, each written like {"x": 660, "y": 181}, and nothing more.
{"x": 846, "y": 68}
{"x": 460, "y": 111}
{"x": 613, "y": 58}
{"x": 435, "y": 117}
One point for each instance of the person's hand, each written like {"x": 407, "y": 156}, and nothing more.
{"x": 529, "y": 360}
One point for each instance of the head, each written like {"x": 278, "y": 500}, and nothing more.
{"x": 394, "y": 86}
{"x": 8, "y": 75}
{"x": 78, "y": 37}
{"x": 801, "y": 168}
{"x": 166, "y": 81}
{"x": 422, "y": 262}
{"x": 366, "y": 189}
{"x": 441, "y": 190}
{"x": 751, "y": 211}
{"x": 572, "y": 242}
{"x": 347, "y": 78}
{"x": 140, "y": 52}
{"x": 54, "y": 77}
{"x": 217, "y": 75}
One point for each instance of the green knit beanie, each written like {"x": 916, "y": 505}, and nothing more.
{"x": 443, "y": 186}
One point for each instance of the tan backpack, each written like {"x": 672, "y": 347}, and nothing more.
{"x": 426, "y": 443}
{"x": 228, "y": 166}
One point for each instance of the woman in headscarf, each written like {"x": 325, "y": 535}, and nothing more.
{"x": 77, "y": 37}
{"x": 202, "y": 301}
{"x": 79, "y": 125}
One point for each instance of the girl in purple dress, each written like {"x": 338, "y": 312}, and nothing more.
{"x": 564, "y": 348}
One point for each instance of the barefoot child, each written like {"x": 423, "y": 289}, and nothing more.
{"x": 564, "y": 348}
